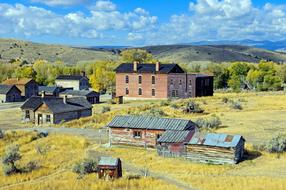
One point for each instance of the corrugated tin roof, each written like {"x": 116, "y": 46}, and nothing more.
{"x": 108, "y": 161}
{"x": 214, "y": 139}
{"x": 142, "y": 122}
{"x": 174, "y": 136}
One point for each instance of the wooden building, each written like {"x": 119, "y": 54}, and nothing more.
{"x": 160, "y": 81}
{"x": 52, "y": 110}
{"x": 27, "y": 86}
{"x": 172, "y": 143}
{"x": 143, "y": 131}
{"x": 215, "y": 148}
{"x": 9, "y": 93}
{"x": 49, "y": 90}
{"x": 109, "y": 168}
{"x": 91, "y": 96}
{"x": 76, "y": 82}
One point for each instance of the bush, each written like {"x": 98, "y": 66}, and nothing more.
{"x": 225, "y": 100}
{"x": 85, "y": 167}
{"x": 174, "y": 106}
{"x": 9, "y": 159}
{"x": 276, "y": 144}
{"x": 208, "y": 123}
{"x": 39, "y": 135}
{"x": 1, "y": 134}
{"x": 193, "y": 107}
{"x": 236, "y": 105}
{"x": 165, "y": 103}
{"x": 155, "y": 112}
{"x": 8, "y": 169}
{"x": 32, "y": 165}
{"x": 105, "y": 109}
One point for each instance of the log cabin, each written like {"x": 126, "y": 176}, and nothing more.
{"x": 143, "y": 130}
{"x": 215, "y": 148}
{"x": 109, "y": 168}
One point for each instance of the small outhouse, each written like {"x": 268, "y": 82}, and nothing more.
{"x": 109, "y": 168}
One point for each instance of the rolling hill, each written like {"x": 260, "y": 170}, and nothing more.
{"x": 29, "y": 51}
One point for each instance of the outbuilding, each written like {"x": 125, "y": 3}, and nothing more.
{"x": 9, "y": 93}
{"x": 215, "y": 148}
{"x": 144, "y": 130}
{"x": 91, "y": 96}
{"x": 109, "y": 168}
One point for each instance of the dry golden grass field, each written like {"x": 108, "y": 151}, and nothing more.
{"x": 262, "y": 115}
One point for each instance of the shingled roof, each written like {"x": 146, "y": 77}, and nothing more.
{"x": 70, "y": 77}
{"x": 80, "y": 92}
{"x": 149, "y": 68}
{"x": 214, "y": 139}
{"x": 48, "y": 89}
{"x": 142, "y": 122}
{"x": 174, "y": 136}
{"x": 57, "y": 105}
{"x": 4, "y": 89}
{"x": 17, "y": 81}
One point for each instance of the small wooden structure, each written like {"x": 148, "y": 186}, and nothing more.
{"x": 172, "y": 143}
{"x": 117, "y": 99}
{"x": 215, "y": 148}
{"x": 109, "y": 168}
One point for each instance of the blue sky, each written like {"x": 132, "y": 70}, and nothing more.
{"x": 141, "y": 22}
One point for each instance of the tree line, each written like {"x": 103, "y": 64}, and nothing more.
{"x": 235, "y": 76}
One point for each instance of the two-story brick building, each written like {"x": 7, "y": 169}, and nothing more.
{"x": 160, "y": 81}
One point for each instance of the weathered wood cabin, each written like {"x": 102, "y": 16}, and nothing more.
{"x": 49, "y": 90}
{"x": 172, "y": 143}
{"x": 52, "y": 110}
{"x": 143, "y": 131}
{"x": 9, "y": 93}
{"x": 109, "y": 168}
{"x": 27, "y": 86}
{"x": 215, "y": 148}
{"x": 91, "y": 96}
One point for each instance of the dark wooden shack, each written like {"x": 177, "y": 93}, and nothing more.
{"x": 215, "y": 148}
{"x": 172, "y": 143}
{"x": 109, "y": 168}
{"x": 143, "y": 131}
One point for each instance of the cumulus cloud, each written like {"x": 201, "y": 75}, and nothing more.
{"x": 104, "y": 6}
{"x": 60, "y": 2}
{"x": 31, "y": 20}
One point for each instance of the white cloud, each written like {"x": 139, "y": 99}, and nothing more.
{"x": 31, "y": 20}
{"x": 60, "y": 2}
{"x": 102, "y": 5}
{"x": 134, "y": 36}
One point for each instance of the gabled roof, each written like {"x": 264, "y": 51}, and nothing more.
{"x": 142, "y": 122}
{"x": 70, "y": 77}
{"x": 56, "y": 105}
{"x": 16, "y": 81}
{"x": 48, "y": 89}
{"x": 214, "y": 139}
{"x": 149, "y": 68}
{"x": 80, "y": 92}
{"x": 4, "y": 89}
{"x": 174, "y": 136}
{"x": 108, "y": 161}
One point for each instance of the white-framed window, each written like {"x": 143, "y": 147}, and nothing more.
{"x": 153, "y": 80}
{"x": 153, "y": 92}
{"x": 137, "y": 134}
{"x": 139, "y": 79}
{"x": 27, "y": 114}
{"x": 48, "y": 118}
{"x": 126, "y": 79}
{"x": 126, "y": 91}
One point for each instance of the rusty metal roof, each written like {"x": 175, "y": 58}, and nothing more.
{"x": 108, "y": 161}
{"x": 174, "y": 136}
{"x": 142, "y": 122}
{"x": 214, "y": 139}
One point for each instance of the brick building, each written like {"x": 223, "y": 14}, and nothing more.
{"x": 160, "y": 81}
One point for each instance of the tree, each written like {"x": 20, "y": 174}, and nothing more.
{"x": 272, "y": 83}
{"x": 254, "y": 77}
{"x": 140, "y": 55}
{"x": 221, "y": 74}
{"x": 234, "y": 83}
{"x": 239, "y": 69}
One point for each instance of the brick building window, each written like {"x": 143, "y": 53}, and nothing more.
{"x": 140, "y": 79}
{"x": 137, "y": 134}
{"x": 126, "y": 91}
{"x": 174, "y": 93}
{"x": 140, "y": 91}
{"x": 153, "y": 92}
{"x": 48, "y": 119}
{"x": 126, "y": 79}
{"x": 153, "y": 80}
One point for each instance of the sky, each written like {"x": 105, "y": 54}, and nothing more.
{"x": 141, "y": 22}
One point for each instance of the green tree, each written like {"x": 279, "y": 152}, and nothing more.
{"x": 254, "y": 77}
{"x": 234, "y": 82}
{"x": 140, "y": 55}
{"x": 239, "y": 68}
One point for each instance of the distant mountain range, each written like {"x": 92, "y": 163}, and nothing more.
{"x": 219, "y": 51}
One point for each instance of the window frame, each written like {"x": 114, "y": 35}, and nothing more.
{"x": 153, "y": 79}
{"x": 140, "y": 91}
{"x": 126, "y": 91}
{"x": 153, "y": 92}
{"x": 126, "y": 79}
{"x": 137, "y": 134}
{"x": 48, "y": 118}
{"x": 27, "y": 114}
{"x": 140, "y": 79}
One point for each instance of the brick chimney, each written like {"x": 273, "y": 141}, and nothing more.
{"x": 157, "y": 66}
{"x": 43, "y": 94}
{"x": 135, "y": 66}
{"x": 65, "y": 99}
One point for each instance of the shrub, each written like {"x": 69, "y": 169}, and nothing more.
{"x": 8, "y": 169}
{"x": 174, "y": 106}
{"x": 236, "y": 105}
{"x": 225, "y": 100}
{"x": 32, "y": 165}
{"x": 276, "y": 144}
{"x": 105, "y": 109}
{"x": 209, "y": 123}
{"x": 1, "y": 134}
{"x": 155, "y": 112}
{"x": 165, "y": 103}
{"x": 193, "y": 107}
{"x": 85, "y": 167}
{"x": 39, "y": 135}
{"x": 9, "y": 159}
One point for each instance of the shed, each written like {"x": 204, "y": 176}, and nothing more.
{"x": 9, "y": 93}
{"x": 109, "y": 168}
{"x": 216, "y": 148}
{"x": 49, "y": 90}
{"x": 144, "y": 130}
{"x": 172, "y": 143}
{"x": 91, "y": 96}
